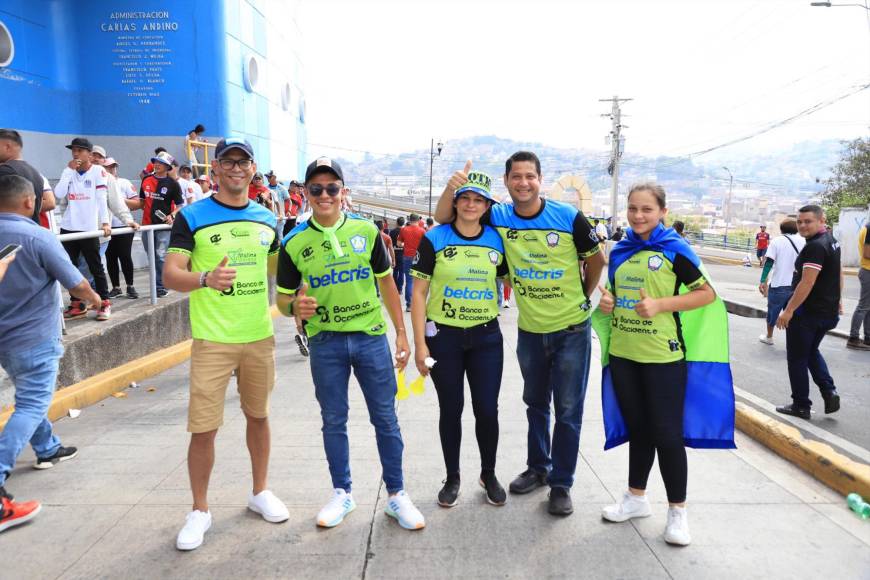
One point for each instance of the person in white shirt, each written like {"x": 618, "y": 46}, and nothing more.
{"x": 204, "y": 187}
{"x": 188, "y": 186}
{"x": 83, "y": 185}
{"x": 776, "y": 273}
{"x": 121, "y": 245}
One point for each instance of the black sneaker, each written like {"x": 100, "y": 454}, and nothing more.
{"x": 560, "y": 502}
{"x": 302, "y": 343}
{"x": 114, "y": 292}
{"x": 802, "y": 412}
{"x": 161, "y": 292}
{"x": 528, "y": 481}
{"x": 856, "y": 343}
{"x": 62, "y": 454}
{"x": 495, "y": 493}
{"x": 131, "y": 293}
{"x": 832, "y": 401}
{"x": 449, "y": 494}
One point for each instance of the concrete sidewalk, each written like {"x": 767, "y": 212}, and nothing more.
{"x": 114, "y": 510}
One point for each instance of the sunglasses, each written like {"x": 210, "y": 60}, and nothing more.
{"x": 317, "y": 190}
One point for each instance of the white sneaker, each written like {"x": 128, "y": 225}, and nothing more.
{"x": 399, "y": 506}
{"x": 192, "y": 534}
{"x": 507, "y": 303}
{"x": 677, "y": 530}
{"x": 765, "y": 339}
{"x": 270, "y": 507}
{"x": 631, "y": 506}
{"x": 339, "y": 506}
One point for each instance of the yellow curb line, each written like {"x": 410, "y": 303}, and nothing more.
{"x": 820, "y": 460}
{"x": 96, "y": 388}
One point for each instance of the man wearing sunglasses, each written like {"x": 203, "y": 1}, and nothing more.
{"x": 327, "y": 271}
{"x": 222, "y": 250}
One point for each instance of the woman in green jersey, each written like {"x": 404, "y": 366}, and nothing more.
{"x": 454, "y": 310}
{"x": 647, "y": 352}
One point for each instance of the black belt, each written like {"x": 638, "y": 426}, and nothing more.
{"x": 442, "y": 326}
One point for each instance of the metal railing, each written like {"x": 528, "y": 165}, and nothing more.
{"x": 734, "y": 242}
{"x": 147, "y": 231}
{"x": 205, "y": 165}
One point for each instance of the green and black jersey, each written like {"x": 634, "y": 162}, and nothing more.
{"x": 657, "y": 339}
{"x": 342, "y": 280}
{"x": 208, "y": 230}
{"x": 462, "y": 272}
{"x": 543, "y": 253}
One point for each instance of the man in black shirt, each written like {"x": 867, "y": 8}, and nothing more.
{"x": 399, "y": 270}
{"x": 11, "y": 163}
{"x": 813, "y": 310}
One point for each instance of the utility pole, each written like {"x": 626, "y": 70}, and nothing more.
{"x": 616, "y": 148}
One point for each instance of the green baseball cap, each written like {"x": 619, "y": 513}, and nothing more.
{"x": 480, "y": 183}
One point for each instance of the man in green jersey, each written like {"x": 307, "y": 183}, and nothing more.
{"x": 555, "y": 264}
{"x": 327, "y": 271}
{"x": 221, "y": 251}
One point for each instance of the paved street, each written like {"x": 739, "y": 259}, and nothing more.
{"x": 114, "y": 510}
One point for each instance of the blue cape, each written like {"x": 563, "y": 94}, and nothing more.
{"x": 708, "y": 412}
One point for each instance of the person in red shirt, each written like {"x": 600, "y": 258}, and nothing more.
{"x": 410, "y": 237}
{"x": 258, "y": 192}
{"x": 762, "y": 240}
{"x": 293, "y": 205}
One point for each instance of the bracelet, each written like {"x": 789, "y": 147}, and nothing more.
{"x": 202, "y": 278}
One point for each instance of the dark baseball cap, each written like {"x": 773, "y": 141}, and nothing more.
{"x": 228, "y": 143}
{"x": 323, "y": 165}
{"x": 82, "y": 143}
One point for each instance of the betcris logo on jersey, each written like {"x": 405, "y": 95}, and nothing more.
{"x": 626, "y": 303}
{"x": 468, "y": 293}
{"x": 533, "y": 274}
{"x": 340, "y": 277}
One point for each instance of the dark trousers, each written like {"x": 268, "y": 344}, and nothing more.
{"x": 802, "y": 339}
{"x": 399, "y": 271}
{"x": 651, "y": 398}
{"x": 289, "y": 224}
{"x": 90, "y": 250}
{"x": 477, "y": 353}
{"x": 119, "y": 250}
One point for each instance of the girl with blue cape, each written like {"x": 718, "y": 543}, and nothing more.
{"x": 664, "y": 347}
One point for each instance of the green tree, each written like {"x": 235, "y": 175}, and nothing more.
{"x": 849, "y": 186}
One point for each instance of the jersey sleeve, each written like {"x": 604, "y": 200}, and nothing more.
{"x": 813, "y": 256}
{"x": 181, "y": 238}
{"x": 423, "y": 265}
{"x": 276, "y": 245}
{"x": 772, "y": 250}
{"x": 380, "y": 259}
{"x": 687, "y": 273}
{"x": 502, "y": 269}
{"x": 289, "y": 278}
{"x": 175, "y": 195}
{"x": 585, "y": 238}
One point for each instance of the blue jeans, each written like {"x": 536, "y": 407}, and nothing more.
{"x": 34, "y": 373}
{"x": 399, "y": 272}
{"x": 555, "y": 364}
{"x": 161, "y": 241}
{"x": 777, "y": 299}
{"x": 802, "y": 339}
{"x": 409, "y": 280}
{"x": 476, "y": 353}
{"x": 499, "y": 290}
{"x": 333, "y": 355}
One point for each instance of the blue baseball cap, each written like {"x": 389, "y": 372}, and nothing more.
{"x": 478, "y": 182}
{"x": 228, "y": 143}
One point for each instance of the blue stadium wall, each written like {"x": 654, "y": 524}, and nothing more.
{"x": 132, "y": 75}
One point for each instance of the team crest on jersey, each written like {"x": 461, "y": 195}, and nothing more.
{"x": 552, "y": 239}
{"x": 163, "y": 190}
{"x": 358, "y": 243}
{"x": 654, "y": 263}
{"x": 593, "y": 236}
{"x": 265, "y": 238}
{"x": 493, "y": 257}
{"x": 88, "y": 183}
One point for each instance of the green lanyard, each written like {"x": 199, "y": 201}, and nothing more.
{"x": 329, "y": 235}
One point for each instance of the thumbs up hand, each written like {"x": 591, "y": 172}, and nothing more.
{"x": 607, "y": 302}
{"x": 459, "y": 178}
{"x": 647, "y": 307}
{"x": 304, "y": 306}
{"x": 221, "y": 278}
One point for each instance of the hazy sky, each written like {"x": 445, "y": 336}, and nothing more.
{"x": 386, "y": 76}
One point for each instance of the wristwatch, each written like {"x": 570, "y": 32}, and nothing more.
{"x": 202, "y": 278}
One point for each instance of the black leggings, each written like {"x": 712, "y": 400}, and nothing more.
{"x": 651, "y": 400}
{"x": 119, "y": 249}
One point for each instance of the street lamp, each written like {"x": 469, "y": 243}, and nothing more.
{"x": 432, "y": 155}
{"x": 728, "y": 212}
